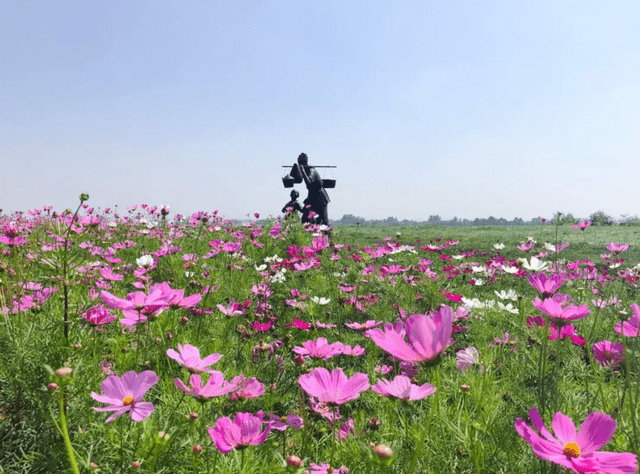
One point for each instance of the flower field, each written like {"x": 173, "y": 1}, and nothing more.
{"x": 190, "y": 344}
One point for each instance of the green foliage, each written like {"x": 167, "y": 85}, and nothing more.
{"x": 466, "y": 426}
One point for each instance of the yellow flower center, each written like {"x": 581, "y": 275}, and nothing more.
{"x": 128, "y": 400}
{"x": 572, "y": 449}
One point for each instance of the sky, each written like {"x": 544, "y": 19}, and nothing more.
{"x": 450, "y": 108}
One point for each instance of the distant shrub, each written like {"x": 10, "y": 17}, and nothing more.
{"x": 600, "y": 218}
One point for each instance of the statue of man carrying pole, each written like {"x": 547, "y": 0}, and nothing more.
{"x": 317, "y": 199}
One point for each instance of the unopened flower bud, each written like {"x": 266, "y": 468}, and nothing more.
{"x": 52, "y": 387}
{"x": 84, "y": 197}
{"x": 93, "y": 466}
{"x": 382, "y": 454}
{"x": 299, "y": 359}
{"x": 184, "y": 320}
{"x": 77, "y": 346}
{"x": 64, "y": 372}
{"x": 294, "y": 462}
{"x": 193, "y": 416}
{"x": 383, "y": 451}
{"x": 197, "y": 449}
{"x": 169, "y": 336}
{"x": 136, "y": 464}
{"x": 465, "y": 388}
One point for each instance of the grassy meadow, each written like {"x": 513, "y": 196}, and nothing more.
{"x": 189, "y": 344}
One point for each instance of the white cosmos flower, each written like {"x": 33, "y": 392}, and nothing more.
{"x": 534, "y": 265}
{"x": 498, "y": 246}
{"x": 506, "y": 295}
{"x": 189, "y": 274}
{"x": 260, "y": 268}
{"x": 320, "y": 301}
{"x": 479, "y": 269}
{"x": 509, "y": 307}
{"x": 339, "y": 275}
{"x": 145, "y": 261}
{"x": 478, "y": 282}
{"x": 458, "y": 257}
{"x": 510, "y": 269}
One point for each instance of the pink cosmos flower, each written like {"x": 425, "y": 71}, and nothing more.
{"x": 355, "y": 351}
{"x": 124, "y": 394}
{"x": 369, "y": 324}
{"x": 607, "y": 353}
{"x": 334, "y": 386}
{"x": 215, "y": 386}
{"x": 325, "y": 468}
{"x": 617, "y": 248}
{"x": 246, "y": 388}
{"x": 232, "y": 309}
{"x": 189, "y": 357}
{"x": 242, "y": 432}
{"x": 402, "y": 388}
{"x": 567, "y": 330}
{"x": 546, "y": 285}
{"x": 630, "y": 328}
{"x": 319, "y": 348}
{"x": 428, "y": 336}
{"x": 558, "y": 312}
{"x": 346, "y": 430}
{"x": 577, "y": 451}
{"x": 98, "y": 315}
{"x": 281, "y": 423}
{"x": 107, "y": 274}
{"x": 581, "y": 226}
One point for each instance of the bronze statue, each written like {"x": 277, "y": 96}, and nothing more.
{"x": 317, "y": 199}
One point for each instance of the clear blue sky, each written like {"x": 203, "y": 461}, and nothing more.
{"x": 455, "y": 108}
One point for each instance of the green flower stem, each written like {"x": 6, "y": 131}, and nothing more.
{"x": 541, "y": 366}
{"x": 65, "y": 434}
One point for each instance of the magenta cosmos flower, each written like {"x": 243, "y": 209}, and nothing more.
{"x": 428, "y": 336}
{"x": 607, "y": 353}
{"x": 402, "y": 388}
{"x": 334, "y": 386}
{"x": 577, "y": 451}
{"x": 546, "y": 285}
{"x": 124, "y": 394}
{"x": 558, "y": 312}
{"x": 189, "y": 357}
{"x": 242, "y": 432}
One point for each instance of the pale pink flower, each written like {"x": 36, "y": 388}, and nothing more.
{"x": 466, "y": 358}
{"x": 617, "y": 248}
{"x": 214, "y": 387}
{"x": 189, "y": 357}
{"x": 246, "y": 388}
{"x": 319, "y": 348}
{"x": 402, "y": 388}
{"x": 124, "y": 394}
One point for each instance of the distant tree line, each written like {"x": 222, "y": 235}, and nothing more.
{"x": 597, "y": 218}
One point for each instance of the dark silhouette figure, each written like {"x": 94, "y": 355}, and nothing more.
{"x": 317, "y": 199}
{"x": 293, "y": 204}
